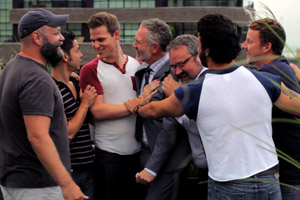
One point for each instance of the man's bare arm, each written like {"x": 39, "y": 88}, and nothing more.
{"x": 38, "y": 134}
{"x": 87, "y": 99}
{"x": 102, "y": 110}
{"x": 288, "y": 101}
{"x": 167, "y": 107}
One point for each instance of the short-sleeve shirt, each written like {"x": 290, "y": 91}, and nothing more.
{"x": 286, "y": 129}
{"x": 26, "y": 88}
{"x": 117, "y": 85}
{"x": 232, "y": 109}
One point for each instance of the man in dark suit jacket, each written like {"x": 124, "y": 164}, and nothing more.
{"x": 165, "y": 146}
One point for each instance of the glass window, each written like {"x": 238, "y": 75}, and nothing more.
{"x": 127, "y": 32}
{"x": 183, "y": 28}
{"x": 174, "y": 3}
{"x": 5, "y": 26}
{"x": 124, "y": 3}
{"x": 74, "y": 27}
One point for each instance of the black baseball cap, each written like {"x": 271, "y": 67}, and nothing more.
{"x": 35, "y": 19}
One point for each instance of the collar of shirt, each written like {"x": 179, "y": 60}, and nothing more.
{"x": 202, "y": 70}
{"x": 157, "y": 65}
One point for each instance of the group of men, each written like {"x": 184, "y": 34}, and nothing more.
{"x": 46, "y": 147}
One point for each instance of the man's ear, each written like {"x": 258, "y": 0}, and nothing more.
{"x": 116, "y": 34}
{"x": 154, "y": 48}
{"x": 206, "y": 51}
{"x": 66, "y": 57}
{"x": 37, "y": 38}
{"x": 267, "y": 47}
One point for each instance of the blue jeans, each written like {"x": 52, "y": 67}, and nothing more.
{"x": 246, "y": 189}
{"x": 115, "y": 176}
{"x": 84, "y": 178}
{"x": 289, "y": 193}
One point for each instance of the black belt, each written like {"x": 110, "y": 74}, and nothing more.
{"x": 272, "y": 170}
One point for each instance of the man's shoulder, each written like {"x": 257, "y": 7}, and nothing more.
{"x": 277, "y": 64}
{"x": 92, "y": 63}
{"x": 134, "y": 60}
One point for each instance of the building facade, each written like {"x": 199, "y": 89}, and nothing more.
{"x": 181, "y": 15}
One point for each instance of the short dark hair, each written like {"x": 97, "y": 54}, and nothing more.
{"x": 219, "y": 35}
{"x": 104, "y": 18}
{"x": 265, "y": 27}
{"x": 68, "y": 42}
{"x": 158, "y": 32}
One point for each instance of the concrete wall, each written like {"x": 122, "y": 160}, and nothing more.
{"x": 8, "y": 50}
{"x": 167, "y": 14}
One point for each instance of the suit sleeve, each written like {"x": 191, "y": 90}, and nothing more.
{"x": 171, "y": 145}
{"x": 164, "y": 145}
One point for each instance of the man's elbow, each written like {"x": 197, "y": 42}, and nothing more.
{"x": 96, "y": 113}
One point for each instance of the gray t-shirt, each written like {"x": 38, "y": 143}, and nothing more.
{"x": 26, "y": 88}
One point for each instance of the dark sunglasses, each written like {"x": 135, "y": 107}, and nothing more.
{"x": 180, "y": 64}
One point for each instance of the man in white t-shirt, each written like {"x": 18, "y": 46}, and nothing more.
{"x": 112, "y": 74}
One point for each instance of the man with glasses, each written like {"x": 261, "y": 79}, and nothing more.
{"x": 165, "y": 147}
{"x": 186, "y": 66}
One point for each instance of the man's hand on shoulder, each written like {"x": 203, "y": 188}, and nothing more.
{"x": 169, "y": 85}
{"x": 296, "y": 70}
{"x": 88, "y": 96}
{"x": 74, "y": 75}
{"x": 150, "y": 90}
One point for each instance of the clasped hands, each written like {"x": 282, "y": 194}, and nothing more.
{"x": 149, "y": 90}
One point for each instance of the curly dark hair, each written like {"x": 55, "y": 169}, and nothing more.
{"x": 68, "y": 42}
{"x": 219, "y": 35}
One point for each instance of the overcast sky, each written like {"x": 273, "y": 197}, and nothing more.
{"x": 288, "y": 14}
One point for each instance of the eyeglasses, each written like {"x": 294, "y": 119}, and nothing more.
{"x": 180, "y": 64}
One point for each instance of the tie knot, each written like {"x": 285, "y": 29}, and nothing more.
{"x": 147, "y": 74}
{"x": 148, "y": 69}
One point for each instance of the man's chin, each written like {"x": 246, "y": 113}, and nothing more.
{"x": 185, "y": 80}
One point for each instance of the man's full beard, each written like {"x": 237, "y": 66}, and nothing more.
{"x": 49, "y": 51}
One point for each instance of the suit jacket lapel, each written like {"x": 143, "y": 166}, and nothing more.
{"x": 139, "y": 77}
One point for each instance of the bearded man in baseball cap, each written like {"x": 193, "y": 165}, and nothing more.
{"x": 34, "y": 149}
